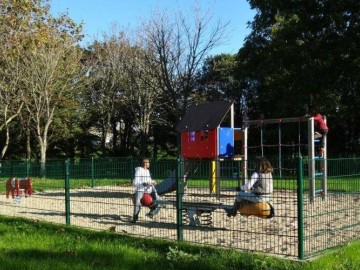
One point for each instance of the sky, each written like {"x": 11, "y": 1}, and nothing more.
{"x": 99, "y": 15}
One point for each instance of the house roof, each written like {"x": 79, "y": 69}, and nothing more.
{"x": 204, "y": 116}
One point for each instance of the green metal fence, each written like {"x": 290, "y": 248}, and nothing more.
{"x": 333, "y": 217}
{"x": 97, "y": 194}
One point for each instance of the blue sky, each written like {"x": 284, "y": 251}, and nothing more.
{"x": 98, "y": 15}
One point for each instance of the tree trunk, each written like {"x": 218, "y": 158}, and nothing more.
{"x": 115, "y": 133}
{"x": 43, "y": 147}
{"x": 143, "y": 144}
{"x": 28, "y": 143}
{"x": 6, "y": 144}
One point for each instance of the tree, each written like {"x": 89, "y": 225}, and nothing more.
{"x": 123, "y": 96}
{"x": 51, "y": 76}
{"x": 10, "y": 99}
{"x": 303, "y": 54}
{"x": 50, "y": 72}
{"x": 39, "y": 64}
{"x": 173, "y": 51}
{"x": 15, "y": 19}
{"x": 104, "y": 98}
{"x": 217, "y": 82}
{"x": 176, "y": 47}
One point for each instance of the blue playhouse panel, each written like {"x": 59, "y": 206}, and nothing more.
{"x": 226, "y": 142}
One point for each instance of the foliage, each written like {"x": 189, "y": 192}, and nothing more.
{"x": 302, "y": 55}
{"x": 126, "y": 92}
{"x": 175, "y": 256}
{"x": 217, "y": 82}
{"x": 40, "y": 65}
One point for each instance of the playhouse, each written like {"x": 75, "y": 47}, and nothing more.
{"x": 207, "y": 132}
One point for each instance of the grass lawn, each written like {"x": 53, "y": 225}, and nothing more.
{"x": 338, "y": 184}
{"x": 34, "y": 245}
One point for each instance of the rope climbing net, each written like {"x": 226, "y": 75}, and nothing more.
{"x": 281, "y": 140}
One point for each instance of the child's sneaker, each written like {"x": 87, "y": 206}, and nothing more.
{"x": 154, "y": 210}
{"x": 135, "y": 218}
{"x": 317, "y": 135}
{"x": 231, "y": 212}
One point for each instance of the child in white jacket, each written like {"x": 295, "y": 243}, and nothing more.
{"x": 143, "y": 183}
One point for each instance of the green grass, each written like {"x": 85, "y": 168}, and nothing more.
{"x": 344, "y": 258}
{"x": 34, "y": 245}
{"x": 339, "y": 184}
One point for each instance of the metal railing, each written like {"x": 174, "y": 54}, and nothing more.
{"x": 97, "y": 194}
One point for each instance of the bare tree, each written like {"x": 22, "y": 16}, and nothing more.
{"x": 10, "y": 96}
{"x": 50, "y": 74}
{"x": 141, "y": 95}
{"x": 121, "y": 89}
{"x": 176, "y": 47}
{"x": 107, "y": 80}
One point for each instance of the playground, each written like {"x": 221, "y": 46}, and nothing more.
{"x": 316, "y": 201}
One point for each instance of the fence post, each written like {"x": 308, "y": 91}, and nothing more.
{"x": 179, "y": 195}
{"x": 92, "y": 172}
{"x": 300, "y": 213}
{"x": 67, "y": 191}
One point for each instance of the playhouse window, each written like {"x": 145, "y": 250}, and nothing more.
{"x": 204, "y": 135}
{"x": 192, "y": 137}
